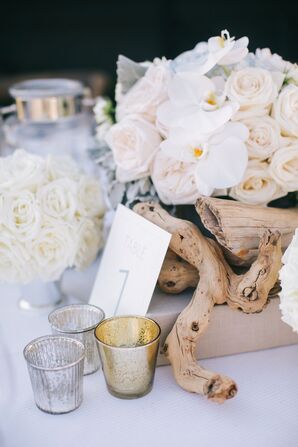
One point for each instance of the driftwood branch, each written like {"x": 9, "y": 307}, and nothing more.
{"x": 176, "y": 274}
{"x": 238, "y": 227}
{"x": 218, "y": 284}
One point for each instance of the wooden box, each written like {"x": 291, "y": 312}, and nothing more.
{"x": 230, "y": 331}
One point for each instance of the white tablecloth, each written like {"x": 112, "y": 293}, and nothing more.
{"x": 264, "y": 413}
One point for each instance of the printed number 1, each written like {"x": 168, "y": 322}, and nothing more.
{"x": 126, "y": 273}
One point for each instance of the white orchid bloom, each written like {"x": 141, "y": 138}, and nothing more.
{"x": 196, "y": 103}
{"x": 236, "y": 50}
{"x": 221, "y": 158}
{"x": 221, "y": 50}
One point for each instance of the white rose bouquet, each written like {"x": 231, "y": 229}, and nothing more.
{"x": 50, "y": 217}
{"x": 215, "y": 119}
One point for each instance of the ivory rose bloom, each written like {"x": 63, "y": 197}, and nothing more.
{"x": 292, "y": 74}
{"x": 90, "y": 198}
{"x": 257, "y": 186}
{"x": 285, "y": 110}
{"x": 21, "y": 171}
{"x": 264, "y": 136}
{"x": 90, "y": 238}
{"x": 21, "y": 214}
{"x": 174, "y": 180}
{"x": 284, "y": 167}
{"x": 14, "y": 259}
{"x": 134, "y": 143}
{"x": 147, "y": 93}
{"x": 58, "y": 199}
{"x": 53, "y": 250}
{"x": 255, "y": 89}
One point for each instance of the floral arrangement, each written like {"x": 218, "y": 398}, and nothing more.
{"x": 216, "y": 120}
{"x": 51, "y": 217}
{"x": 288, "y": 277}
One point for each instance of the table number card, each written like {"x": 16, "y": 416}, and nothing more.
{"x": 130, "y": 265}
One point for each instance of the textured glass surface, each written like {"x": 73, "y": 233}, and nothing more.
{"x": 128, "y": 348}
{"x": 40, "y": 295}
{"x": 79, "y": 321}
{"x": 55, "y": 365}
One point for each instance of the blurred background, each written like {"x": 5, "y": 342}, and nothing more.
{"x": 82, "y": 39}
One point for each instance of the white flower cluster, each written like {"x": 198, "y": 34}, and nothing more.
{"x": 50, "y": 217}
{"x": 288, "y": 277}
{"x": 215, "y": 118}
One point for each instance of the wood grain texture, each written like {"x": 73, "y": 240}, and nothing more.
{"x": 238, "y": 227}
{"x": 218, "y": 284}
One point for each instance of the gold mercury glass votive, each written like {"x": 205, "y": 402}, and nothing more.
{"x": 128, "y": 347}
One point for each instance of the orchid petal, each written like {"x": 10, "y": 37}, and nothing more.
{"x": 215, "y": 46}
{"x": 237, "y": 130}
{"x": 225, "y": 164}
{"x": 168, "y": 115}
{"x": 238, "y": 52}
{"x": 203, "y": 188}
{"x": 179, "y": 145}
{"x": 207, "y": 121}
{"x": 188, "y": 88}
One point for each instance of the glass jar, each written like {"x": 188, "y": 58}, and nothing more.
{"x": 49, "y": 118}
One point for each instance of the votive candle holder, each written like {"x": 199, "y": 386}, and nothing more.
{"x": 128, "y": 347}
{"x": 78, "y": 321}
{"x": 55, "y": 365}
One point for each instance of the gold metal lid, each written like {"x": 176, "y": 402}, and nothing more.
{"x": 46, "y": 100}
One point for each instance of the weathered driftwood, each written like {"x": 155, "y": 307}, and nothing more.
{"x": 176, "y": 274}
{"x": 218, "y": 284}
{"x": 238, "y": 227}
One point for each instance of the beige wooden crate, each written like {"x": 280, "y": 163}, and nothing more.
{"x": 230, "y": 331}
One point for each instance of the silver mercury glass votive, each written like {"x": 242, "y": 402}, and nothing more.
{"x": 78, "y": 321}
{"x": 55, "y": 365}
{"x": 128, "y": 347}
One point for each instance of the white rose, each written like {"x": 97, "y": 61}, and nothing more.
{"x": 174, "y": 180}
{"x": 21, "y": 214}
{"x": 292, "y": 75}
{"x": 58, "y": 199}
{"x": 90, "y": 198}
{"x": 284, "y": 167}
{"x": 147, "y": 93}
{"x": 264, "y": 136}
{"x": 54, "y": 249}
{"x": 21, "y": 171}
{"x": 15, "y": 262}
{"x": 285, "y": 110}
{"x": 257, "y": 186}
{"x": 61, "y": 166}
{"x": 90, "y": 240}
{"x": 134, "y": 143}
{"x": 255, "y": 89}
